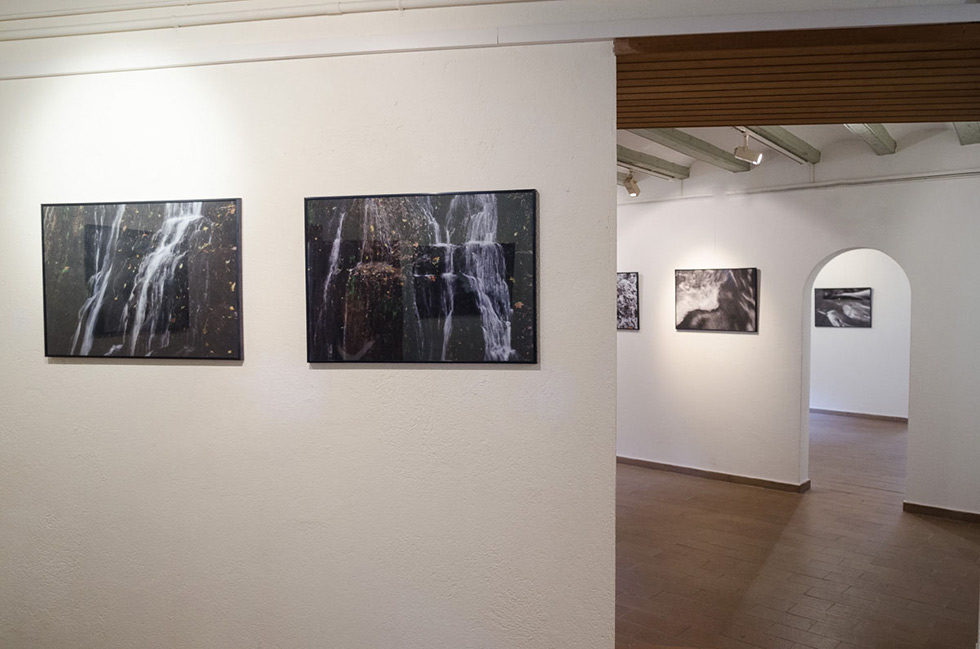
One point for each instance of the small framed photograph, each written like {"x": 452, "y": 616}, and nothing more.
{"x": 842, "y": 307}
{"x": 628, "y": 301}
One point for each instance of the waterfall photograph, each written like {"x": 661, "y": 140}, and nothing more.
{"x": 842, "y": 307}
{"x": 717, "y": 299}
{"x": 422, "y": 278}
{"x": 143, "y": 280}
{"x": 627, "y": 301}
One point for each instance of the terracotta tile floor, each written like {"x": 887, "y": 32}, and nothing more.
{"x": 709, "y": 564}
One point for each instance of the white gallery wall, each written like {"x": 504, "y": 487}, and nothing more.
{"x": 736, "y": 403}
{"x": 271, "y": 503}
{"x": 864, "y": 370}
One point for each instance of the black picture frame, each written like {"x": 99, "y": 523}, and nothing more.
{"x": 422, "y": 278}
{"x": 628, "y": 301}
{"x": 717, "y": 299}
{"x": 143, "y": 279}
{"x": 842, "y": 308}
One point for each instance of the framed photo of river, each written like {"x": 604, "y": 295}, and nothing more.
{"x": 842, "y": 307}
{"x": 422, "y": 278}
{"x": 717, "y": 299}
{"x": 143, "y": 280}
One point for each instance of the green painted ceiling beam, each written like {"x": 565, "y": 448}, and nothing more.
{"x": 876, "y": 136}
{"x": 651, "y": 164}
{"x": 968, "y": 132}
{"x": 785, "y": 142}
{"x": 694, "y": 147}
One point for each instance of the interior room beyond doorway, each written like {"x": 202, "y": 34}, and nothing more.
{"x": 859, "y": 362}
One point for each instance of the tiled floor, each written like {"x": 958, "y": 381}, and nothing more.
{"x": 709, "y": 564}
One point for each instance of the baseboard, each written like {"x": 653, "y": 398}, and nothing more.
{"x": 860, "y": 415}
{"x": 714, "y": 475}
{"x": 929, "y": 510}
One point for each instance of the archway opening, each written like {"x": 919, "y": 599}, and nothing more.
{"x": 857, "y": 341}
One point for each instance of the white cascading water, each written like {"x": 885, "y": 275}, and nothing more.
{"x": 475, "y": 216}
{"x": 88, "y": 315}
{"x": 447, "y": 295}
{"x": 464, "y": 249}
{"x": 147, "y": 298}
{"x": 157, "y": 269}
{"x": 334, "y": 266}
{"x": 447, "y": 279}
{"x": 334, "y": 255}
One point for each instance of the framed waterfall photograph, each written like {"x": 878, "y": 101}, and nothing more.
{"x": 717, "y": 299}
{"x": 628, "y": 301}
{"x": 422, "y": 278}
{"x": 143, "y": 280}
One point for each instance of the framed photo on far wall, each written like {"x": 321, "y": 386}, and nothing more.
{"x": 422, "y": 278}
{"x": 628, "y": 301}
{"x": 725, "y": 299}
{"x": 842, "y": 307}
{"x": 143, "y": 280}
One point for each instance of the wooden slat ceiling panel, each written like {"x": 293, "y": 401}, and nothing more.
{"x": 919, "y": 73}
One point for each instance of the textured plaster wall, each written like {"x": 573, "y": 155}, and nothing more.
{"x": 735, "y": 403}
{"x": 271, "y": 503}
{"x": 864, "y": 370}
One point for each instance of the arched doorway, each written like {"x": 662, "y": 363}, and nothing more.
{"x": 856, "y": 368}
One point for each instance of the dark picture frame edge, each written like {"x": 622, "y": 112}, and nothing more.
{"x": 237, "y": 330}
{"x": 847, "y": 321}
{"x": 635, "y": 275}
{"x": 754, "y": 273}
{"x": 532, "y": 288}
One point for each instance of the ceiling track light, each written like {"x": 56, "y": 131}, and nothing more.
{"x": 632, "y": 188}
{"x": 639, "y": 170}
{"x": 783, "y": 142}
{"x": 746, "y": 153}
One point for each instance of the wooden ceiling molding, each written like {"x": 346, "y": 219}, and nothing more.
{"x": 918, "y": 73}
